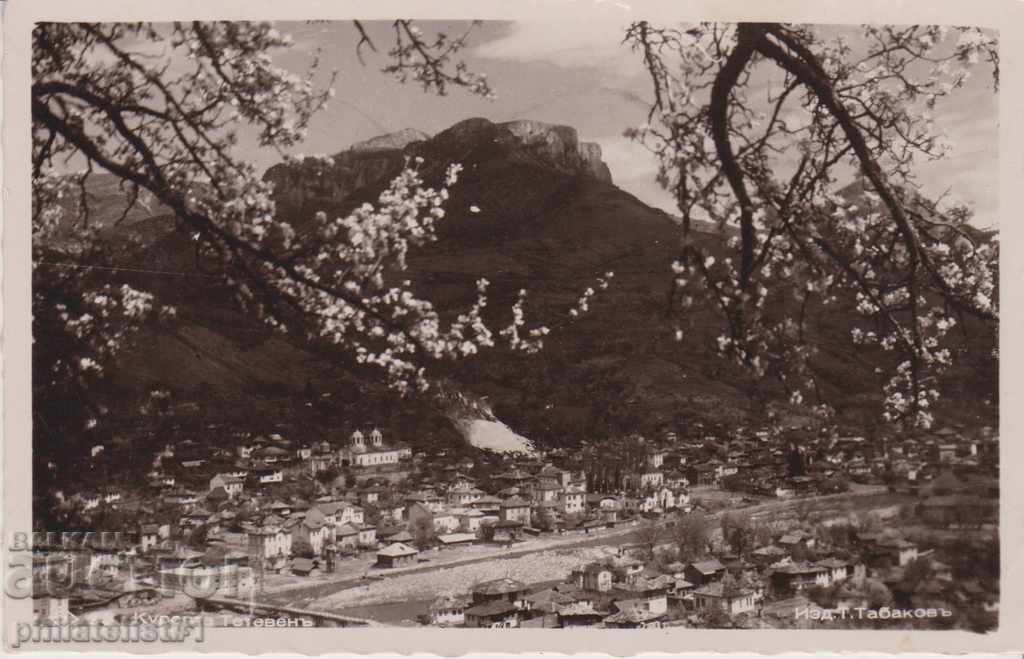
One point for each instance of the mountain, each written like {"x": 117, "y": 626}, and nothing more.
{"x": 534, "y": 208}
{"x": 397, "y": 140}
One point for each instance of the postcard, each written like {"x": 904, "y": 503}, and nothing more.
{"x": 557, "y": 326}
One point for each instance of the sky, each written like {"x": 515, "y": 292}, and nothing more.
{"x": 579, "y": 74}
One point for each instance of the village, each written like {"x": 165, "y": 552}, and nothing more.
{"x": 704, "y": 531}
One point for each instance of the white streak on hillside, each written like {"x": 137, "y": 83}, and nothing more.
{"x": 493, "y": 436}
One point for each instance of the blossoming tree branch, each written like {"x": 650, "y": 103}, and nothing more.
{"x": 166, "y": 127}
{"x": 913, "y": 264}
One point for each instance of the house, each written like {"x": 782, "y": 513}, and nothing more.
{"x": 839, "y": 570}
{"x": 704, "y": 572}
{"x": 579, "y": 614}
{"x": 367, "y": 536}
{"x": 110, "y": 495}
{"x": 305, "y": 567}
{"x": 315, "y": 534}
{"x": 593, "y": 576}
{"x": 487, "y": 504}
{"x": 572, "y": 500}
{"x": 549, "y": 600}
{"x": 181, "y": 497}
{"x": 396, "y": 555}
{"x": 546, "y": 490}
{"x": 347, "y": 537}
{"x": 400, "y": 536}
{"x": 497, "y": 613}
{"x": 340, "y": 512}
{"x": 270, "y": 542}
{"x": 232, "y": 485}
{"x": 946, "y": 453}
{"x": 562, "y": 476}
{"x": 266, "y": 474}
{"x": 627, "y": 568}
{"x": 506, "y": 589}
{"x": 271, "y": 454}
{"x": 654, "y": 457}
{"x": 469, "y": 519}
{"x": 428, "y": 499}
{"x": 650, "y": 595}
{"x": 502, "y": 531}
{"x": 515, "y": 510}
{"x": 797, "y": 538}
{"x": 895, "y": 551}
{"x": 630, "y": 616}
{"x": 370, "y": 494}
{"x": 768, "y": 555}
{"x": 796, "y": 577}
{"x": 205, "y": 577}
{"x": 644, "y": 480}
{"x": 456, "y": 539}
{"x": 461, "y": 495}
{"x": 445, "y": 522}
{"x": 319, "y": 462}
{"x": 733, "y": 599}
{"x": 609, "y": 508}
{"x": 149, "y": 537}
{"x": 449, "y": 610}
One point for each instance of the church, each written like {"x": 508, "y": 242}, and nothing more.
{"x": 372, "y": 453}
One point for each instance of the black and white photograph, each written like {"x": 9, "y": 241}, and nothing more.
{"x": 418, "y": 323}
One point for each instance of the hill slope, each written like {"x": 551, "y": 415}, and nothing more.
{"x": 549, "y": 219}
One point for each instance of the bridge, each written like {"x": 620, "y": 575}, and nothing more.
{"x": 260, "y": 610}
{"x": 127, "y": 598}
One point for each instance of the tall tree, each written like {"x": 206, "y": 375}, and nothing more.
{"x": 692, "y": 534}
{"x": 914, "y": 265}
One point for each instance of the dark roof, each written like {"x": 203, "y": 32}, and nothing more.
{"x": 708, "y": 567}
{"x": 401, "y": 536}
{"x": 396, "y": 550}
{"x": 302, "y": 564}
{"x": 800, "y": 568}
{"x": 719, "y": 590}
{"x": 500, "y": 587}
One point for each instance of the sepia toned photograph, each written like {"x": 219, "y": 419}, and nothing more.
{"x": 514, "y": 325}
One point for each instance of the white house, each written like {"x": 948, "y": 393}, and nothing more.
{"x": 231, "y": 484}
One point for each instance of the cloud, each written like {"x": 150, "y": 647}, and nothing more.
{"x": 634, "y": 169}
{"x": 586, "y": 44}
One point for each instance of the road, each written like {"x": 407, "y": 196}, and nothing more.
{"x": 330, "y": 590}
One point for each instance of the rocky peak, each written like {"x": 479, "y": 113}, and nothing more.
{"x": 371, "y": 163}
{"x": 553, "y": 144}
{"x": 396, "y": 140}
{"x": 561, "y": 144}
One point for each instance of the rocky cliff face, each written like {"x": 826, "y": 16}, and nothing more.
{"x": 561, "y": 145}
{"x": 370, "y": 163}
{"x": 397, "y": 140}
